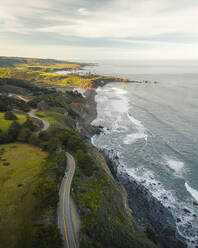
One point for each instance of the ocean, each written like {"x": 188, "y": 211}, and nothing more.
{"x": 154, "y": 130}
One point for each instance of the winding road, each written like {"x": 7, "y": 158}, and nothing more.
{"x": 46, "y": 124}
{"x": 64, "y": 209}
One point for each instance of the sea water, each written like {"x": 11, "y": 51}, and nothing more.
{"x": 154, "y": 129}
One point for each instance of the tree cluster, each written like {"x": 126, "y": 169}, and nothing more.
{"x": 17, "y": 132}
{"x": 9, "y": 115}
{"x": 8, "y": 103}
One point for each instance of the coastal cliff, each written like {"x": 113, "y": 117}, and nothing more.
{"x": 146, "y": 213}
{"x": 102, "y": 196}
{"x": 102, "y": 202}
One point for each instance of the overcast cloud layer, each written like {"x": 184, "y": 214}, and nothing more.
{"x": 122, "y": 29}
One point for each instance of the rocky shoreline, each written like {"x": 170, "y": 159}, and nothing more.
{"x": 146, "y": 210}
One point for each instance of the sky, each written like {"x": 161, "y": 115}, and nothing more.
{"x": 100, "y": 29}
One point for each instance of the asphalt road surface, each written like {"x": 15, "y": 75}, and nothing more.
{"x": 45, "y": 123}
{"x": 64, "y": 211}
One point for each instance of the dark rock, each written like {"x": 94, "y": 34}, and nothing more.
{"x": 178, "y": 220}
{"x": 186, "y": 210}
{"x": 111, "y": 159}
{"x": 195, "y": 203}
{"x": 145, "y": 206}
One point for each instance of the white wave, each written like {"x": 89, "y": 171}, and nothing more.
{"x": 135, "y": 121}
{"x": 141, "y": 134}
{"x": 121, "y": 103}
{"x": 175, "y": 165}
{"x": 147, "y": 178}
{"x": 97, "y": 121}
{"x": 169, "y": 200}
{"x": 92, "y": 140}
{"x": 119, "y": 91}
{"x": 81, "y": 91}
{"x": 132, "y": 138}
{"x": 119, "y": 125}
{"x": 193, "y": 192}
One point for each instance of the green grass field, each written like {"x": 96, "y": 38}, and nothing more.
{"x": 16, "y": 183}
{"x": 4, "y": 124}
{"x": 54, "y": 118}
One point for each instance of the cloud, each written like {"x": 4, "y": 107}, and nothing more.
{"x": 147, "y": 23}
{"x": 138, "y": 20}
{"x": 116, "y": 18}
{"x": 83, "y": 11}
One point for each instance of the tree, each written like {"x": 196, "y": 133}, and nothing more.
{"x": 53, "y": 144}
{"x": 74, "y": 143}
{"x": 29, "y": 124}
{"x": 34, "y": 140}
{"x": 4, "y": 138}
{"x": 47, "y": 237}
{"x": 46, "y": 193}
{"x": 85, "y": 162}
{"x": 10, "y": 116}
{"x": 24, "y": 134}
{"x": 3, "y": 106}
{"x": 14, "y": 129}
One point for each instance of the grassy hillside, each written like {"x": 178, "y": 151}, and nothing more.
{"x": 105, "y": 219}
{"x": 30, "y": 220}
{"x": 17, "y": 180}
{"x": 4, "y": 124}
{"x": 35, "y": 62}
{"x": 44, "y": 71}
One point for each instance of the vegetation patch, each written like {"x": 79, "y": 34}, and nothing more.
{"x": 16, "y": 184}
{"x": 5, "y": 124}
{"x": 35, "y": 70}
{"x": 105, "y": 220}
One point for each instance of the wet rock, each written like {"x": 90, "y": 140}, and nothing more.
{"x": 186, "y": 210}
{"x": 178, "y": 220}
{"x": 145, "y": 206}
{"x": 195, "y": 203}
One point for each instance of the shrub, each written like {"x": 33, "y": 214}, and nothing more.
{"x": 13, "y": 130}
{"x": 24, "y": 134}
{"x": 85, "y": 163}
{"x": 44, "y": 135}
{"x": 6, "y": 164}
{"x": 73, "y": 114}
{"x": 53, "y": 144}
{"x": 3, "y": 106}
{"x": 47, "y": 237}
{"x": 47, "y": 193}
{"x": 75, "y": 143}
{"x": 10, "y": 116}
{"x": 29, "y": 124}
{"x": 4, "y": 138}
{"x": 151, "y": 235}
{"x": 34, "y": 140}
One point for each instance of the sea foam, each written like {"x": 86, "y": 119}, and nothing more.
{"x": 193, "y": 192}
{"x": 141, "y": 131}
{"x": 175, "y": 165}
